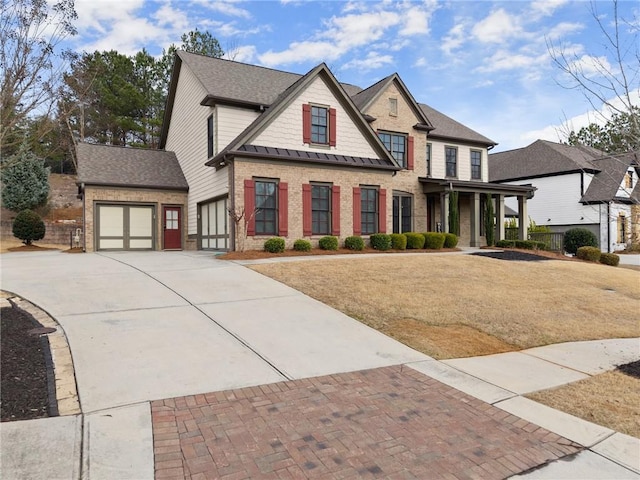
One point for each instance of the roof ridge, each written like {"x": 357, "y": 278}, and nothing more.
{"x": 241, "y": 63}
{"x": 131, "y": 147}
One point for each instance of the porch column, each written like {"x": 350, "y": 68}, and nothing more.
{"x": 499, "y": 217}
{"x": 523, "y": 218}
{"x": 474, "y": 207}
{"x": 444, "y": 211}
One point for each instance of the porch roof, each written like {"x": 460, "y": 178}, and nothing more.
{"x": 440, "y": 185}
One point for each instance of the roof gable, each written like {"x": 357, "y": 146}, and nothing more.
{"x": 129, "y": 167}
{"x": 608, "y": 183}
{"x": 286, "y": 98}
{"x": 367, "y": 97}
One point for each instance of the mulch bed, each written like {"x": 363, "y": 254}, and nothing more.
{"x": 24, "y": 389}
{"x": 632, "y": 369}
{"x": 512, "y": 255}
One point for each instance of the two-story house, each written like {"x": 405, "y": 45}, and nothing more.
{"x": 270, "y": 153}
{"x": 577, "y": 186}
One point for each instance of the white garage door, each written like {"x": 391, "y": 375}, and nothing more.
{"x": 214, "y": 234}
{"x": 124, "y": 227}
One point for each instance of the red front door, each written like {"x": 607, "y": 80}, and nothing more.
{"x": 172, "y": 228}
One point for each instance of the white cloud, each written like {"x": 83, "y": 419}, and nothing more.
{"x": 416, "y": 22}
{"x": 243, "y": 53}
{"x": 420, "y": 62}
{"x": 356, "y": 30}
{"x": 171, "y": 17}
{"x": 301, "y": 52}
{"x": 128, "y": 36}
{"x": 591, "y": 66}
{"x": 454, "y": 39}
{"x": 373, "y": 61}
{"x": 225, "y": 7}
{"x": 497, "y": 27}
{"x": 504, "y": 60}
{"x": 92, "y": 13}
{"x": 545, "y": 7}
{"x": 562, "y": 29}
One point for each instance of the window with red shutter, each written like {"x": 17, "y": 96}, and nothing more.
{"x": 306, "y": 210}
{"x": 382, "y": 211}
{"x": 409, "y": 153}
{"x": 306, "y": 123}
{"x": 332, "y": 127}
{"x": 357, "y": 211}
{"x": 335, "y": 210}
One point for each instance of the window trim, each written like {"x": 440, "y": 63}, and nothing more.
{"x": 375, "y": 212}
{"x": 446, "y": 161}
{"x": 329, "y": 187}
{"x": 326, "y": 126}
{"x": 275, "y": 209}
{"x": 405, "y": 158}
{"x": 393, "y": 106}
{"x": 479, "y": 152}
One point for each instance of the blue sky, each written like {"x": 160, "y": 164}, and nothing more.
{"x": 486, "y": 64}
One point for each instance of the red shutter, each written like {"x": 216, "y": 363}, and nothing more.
{"x": 306, "y": 123}
{"x": 357, "y": 212}
{"x": 335, "y": 210}
{"x": 382, "y": 211}
{"x": 283, "y": 209}
{"x": 409, "y": 153}
{"x": 306, "y": 210}
{"x": 332, "y": 127}
{"x": 250, "y": 206}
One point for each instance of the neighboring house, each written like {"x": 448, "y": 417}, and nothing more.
{"x": 577, "y": 186}
{"x": 269, "y": 153}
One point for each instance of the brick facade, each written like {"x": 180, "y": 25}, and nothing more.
{"x": 296, "y": 175}
{"x": 156, "y": 198}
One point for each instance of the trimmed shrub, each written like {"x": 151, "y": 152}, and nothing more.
{"x": 525, "y": 244}
{"x": 301, "y": 245}
{"x": 575, "y": 238}
{"x": 28, "y": 226}
{"x": 434, "y": 240}
{"x": 591, "y": 254}
{"x": 328, "y": 243}
{"x": 610, "y": 259}
{"x": 398, "y": 241}
{"x": 450, "y": 240}
{"x": 380, "y": 241}
{"x": 506, "y": 244}
{"x": 354, "y": 243}
{"x": 415, "y": 241}
{"x": 541, "y": 245}
{"x": 274, "y": 245}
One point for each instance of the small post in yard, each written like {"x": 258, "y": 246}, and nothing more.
{"x": 76, "y": 237}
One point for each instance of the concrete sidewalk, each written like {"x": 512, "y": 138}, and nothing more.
{"x": 149, "y": 326}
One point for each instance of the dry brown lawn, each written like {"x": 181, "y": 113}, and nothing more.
{"x": 610, "y": 400}
{"x": 12, "y": 244}
{"x": 458, "y": 305}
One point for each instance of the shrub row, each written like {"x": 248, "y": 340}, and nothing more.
{"x": 593, "y": 254}
{"x": 523, "y": 244}
{"x": 378, "y": 241}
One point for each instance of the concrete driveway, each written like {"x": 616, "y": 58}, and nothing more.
{"x": 152, "y": 325}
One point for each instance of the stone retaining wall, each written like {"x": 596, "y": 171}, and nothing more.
{"x": 57, "y": 233}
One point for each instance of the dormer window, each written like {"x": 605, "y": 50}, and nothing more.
{"x": 319, "y": 125}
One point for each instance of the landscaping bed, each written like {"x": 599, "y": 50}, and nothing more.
{"x": 24, "y": 388}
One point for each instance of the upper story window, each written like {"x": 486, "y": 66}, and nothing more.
{"x": 393, "y": 107}
{"x": 451, "y": 158}
{"x": 318, "y": 125}
{"x": 476, "y": 165}
{"x": 396, "y": 143}
{"x": 210, "y": 136}
{"x": 428, "y": 159}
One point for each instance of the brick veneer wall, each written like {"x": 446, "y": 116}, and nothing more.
{"x": 296, "y": 175}
{"x": 158, "y": 198}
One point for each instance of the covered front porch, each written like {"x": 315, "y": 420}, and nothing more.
{"x": 471, "y": 201}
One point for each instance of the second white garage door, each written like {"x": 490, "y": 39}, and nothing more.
{"x": 125, "y": 227}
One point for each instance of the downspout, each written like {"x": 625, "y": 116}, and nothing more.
{"x": 608, "y": 227}
{"x": 84, "y": 219}
{"x": 232, "y": 205}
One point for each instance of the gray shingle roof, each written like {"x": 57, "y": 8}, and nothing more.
{"x": 362, "y": 98}
{"x": 129, "y": 167}
{"x": 241, "y": 81}
{"x": 541, "y": 158}
{"x": 447, "y": 128}
{"x": 605, "y": 184}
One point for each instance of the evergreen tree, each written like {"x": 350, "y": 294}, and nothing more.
{"x": 25, "y": 181}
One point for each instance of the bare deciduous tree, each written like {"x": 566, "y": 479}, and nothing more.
{"x": 31, "y": 61}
